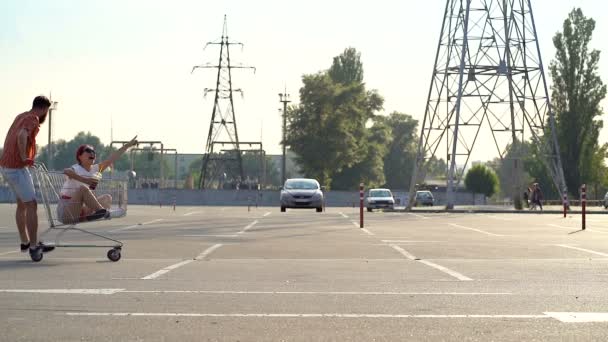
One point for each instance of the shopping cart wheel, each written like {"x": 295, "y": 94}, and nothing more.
{"x": 36, "y": 257}
{"x": 114, "y": 254}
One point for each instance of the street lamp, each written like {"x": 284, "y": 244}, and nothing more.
{"x": 50, "y": 144}
{"x": 284, "y": 98}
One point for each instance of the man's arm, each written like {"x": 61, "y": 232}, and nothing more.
{"x": 22, "y": 138}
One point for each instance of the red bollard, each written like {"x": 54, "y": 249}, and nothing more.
{"x": 565, "y": 204}
{"x": 583, "y": 202}
{"x": 174, "y": 200}
{"x": 361, "y": 205}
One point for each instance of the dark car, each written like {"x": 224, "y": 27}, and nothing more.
{"x": 301, "y": 193}
{"x": 424, "y": 197}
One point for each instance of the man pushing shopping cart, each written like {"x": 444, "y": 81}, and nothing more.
{"x": 80, "y": 194}
{"x": 69, "y": 197}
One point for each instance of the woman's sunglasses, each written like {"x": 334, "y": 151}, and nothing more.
{"x": 89, "y": 150}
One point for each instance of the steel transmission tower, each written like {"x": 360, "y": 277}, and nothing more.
{"x": 222, "y": 130}
{"x": 488, "y": 71}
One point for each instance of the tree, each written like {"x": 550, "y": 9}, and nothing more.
{"x": 576, "y": 95}
{"x": 401, "y": 156}
{"x": 370, "y": 170}
{"x": 347, "y": 68}
{"x": 327, "y": 130}
{"x": 481, "y": 180}
{"x": 64, "y": 152}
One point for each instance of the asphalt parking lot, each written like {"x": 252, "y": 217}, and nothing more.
{"x": 229, "y": 274}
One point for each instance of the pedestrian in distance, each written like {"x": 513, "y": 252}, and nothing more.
{"x": 527, "y": 197}
{"x": 538, "y": 195}
{"x": 532, "y": 197}
{"x": 17, "y": 158}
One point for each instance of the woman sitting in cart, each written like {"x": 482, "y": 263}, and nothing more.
{"x": 77, "y": 202}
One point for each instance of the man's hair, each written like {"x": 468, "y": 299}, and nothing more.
{"x": 41, "y": 102}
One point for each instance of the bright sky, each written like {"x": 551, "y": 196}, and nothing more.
{"x": 129, "y": 61}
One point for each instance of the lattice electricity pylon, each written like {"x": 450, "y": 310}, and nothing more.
{"x": 488, "y": 68}
{"x": 223, "y": 118}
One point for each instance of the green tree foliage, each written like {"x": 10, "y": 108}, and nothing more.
{"x": 64, "y": 152}
{"x": 576, "y": 95}
{"x": 535, "y": 171}
{"x": 327, "y": 130}
{"x": 370, "y": 170}
{"x": 481, "y": 180}
{"x": 437, "y": 168}
{"x": 401, "y": 155}
{"x": 347, "y": 68}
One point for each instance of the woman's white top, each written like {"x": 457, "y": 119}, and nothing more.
{"x": 71, "y": 185}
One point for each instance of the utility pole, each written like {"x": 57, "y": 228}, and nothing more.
{"x": 223, "y": 117}
{"x": 50, "y": 144}
{"x": 284, "y": 98}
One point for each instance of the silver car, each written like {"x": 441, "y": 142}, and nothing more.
{"x": 301, "y": 193}
{"x": 379, "y": 199}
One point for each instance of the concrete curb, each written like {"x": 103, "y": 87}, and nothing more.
{"x": 495, "y": 211}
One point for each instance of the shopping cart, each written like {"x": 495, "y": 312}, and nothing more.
{"x": 48, "y": 185}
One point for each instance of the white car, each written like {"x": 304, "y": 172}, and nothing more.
{"x": 379, "y": 199}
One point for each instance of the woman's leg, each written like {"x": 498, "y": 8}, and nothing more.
{"x": 105, "y": 201}
{"x": 83, "y": 200}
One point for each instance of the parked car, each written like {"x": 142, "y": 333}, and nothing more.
{"x": 301, "y": 193}
{"x": 424, "y": 197}
{"x": 379, "y": 199}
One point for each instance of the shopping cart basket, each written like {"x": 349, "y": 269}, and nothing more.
{"x": 48, "y": 185}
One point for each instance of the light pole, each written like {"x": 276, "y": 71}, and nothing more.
{"x": 284, "y": 98}
{"x": 50, "y": 144}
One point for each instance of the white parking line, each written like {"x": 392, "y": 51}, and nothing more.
{"x": 203, "y": 292}
{"x": 346, "y": 293}
{"x": 7, "y": 253}
{"x": 408, "y": 241}
{"x": 367, "y": 231}
{"x": 299, "y": 315}
{"x": 64, "y": 291}
{"x": 403, "y": 252}
{"x": 446, "y": 270}
{"x": 182, "y": 263}
{"x": 431, "y": 264}
{"x": 473, "y": 229}
{"x": 419, "y": 216}
{"x": 210, "y": 235}
{"x": 268, "y": 213}
{"x": 208, "y": 251}
{"x": 166, "y": 270}
{"x": 134, "y": 226}
{"x": 579, "y": 317}
{"x": 248, "y": 227}
{"x": 343, "y": 215}
{"x": 192, "y": 213}
{"x": 583, "y": 250}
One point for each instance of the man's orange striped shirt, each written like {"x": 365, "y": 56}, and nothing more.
{"x": 10, "y": 157}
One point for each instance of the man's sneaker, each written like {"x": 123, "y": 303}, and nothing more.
{"x": 45, "y": 248}
{"x": 36, "y": 253}
{"x": 25, "y": 247}
{"x": 99, "y": 214}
